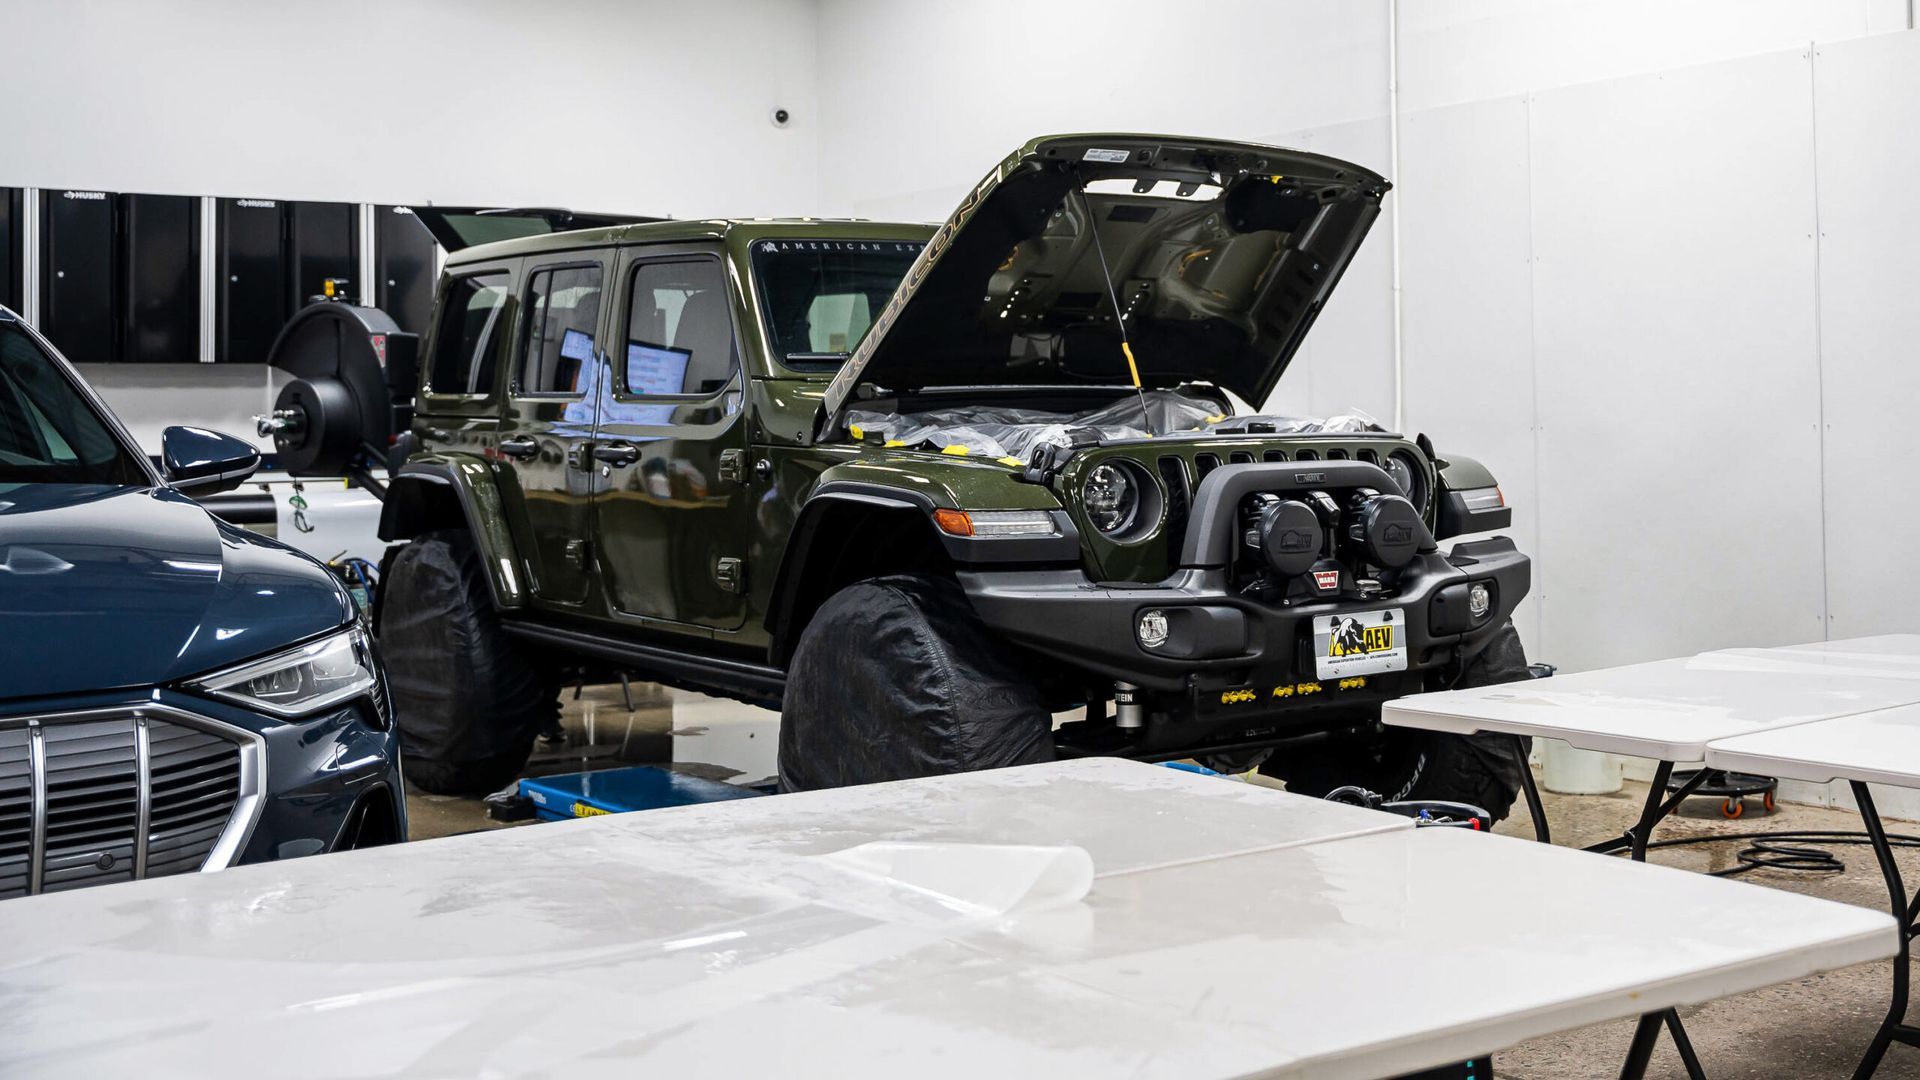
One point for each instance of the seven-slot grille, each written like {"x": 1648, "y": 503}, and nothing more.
{"x": 95, "y": 798}
{"x": 1182, "y": 472}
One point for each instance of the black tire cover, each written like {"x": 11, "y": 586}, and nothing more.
{"x": 896, "y": 677}
{"x": 468, "y": 701}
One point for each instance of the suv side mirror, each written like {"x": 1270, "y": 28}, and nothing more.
{"x": 202, "y": 462}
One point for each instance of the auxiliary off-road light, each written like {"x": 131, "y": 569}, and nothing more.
{"x": 1152, "y": 628}
{"x": 989, "y": 524}
{"x": 1479, "y": 600}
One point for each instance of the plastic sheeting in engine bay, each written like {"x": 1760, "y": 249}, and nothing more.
{"x": 995, "y": 431}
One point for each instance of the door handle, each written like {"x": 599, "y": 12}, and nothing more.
{"x": 519, "y": 448}
{"x": 617, "y": 454}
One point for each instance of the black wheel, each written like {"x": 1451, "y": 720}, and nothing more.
{"x": 1404, "y": 763}
{"x": 896, "y": 677}
{"x": 467, "y": 699}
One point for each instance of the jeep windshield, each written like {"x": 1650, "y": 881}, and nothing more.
{"x": 49, "y": 431}
{"x": 819, "y": 296}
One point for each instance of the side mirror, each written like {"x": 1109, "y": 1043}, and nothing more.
{"x": 201, "y": 462}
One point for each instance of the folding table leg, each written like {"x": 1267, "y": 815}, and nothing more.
{"x": 1640, "y": 1051}
{"x": 1652, "y": 813}
{"x": 1894, "y": 1027}
{"x": 1684, "y": 1045}
{"x": 1532, "y": 792}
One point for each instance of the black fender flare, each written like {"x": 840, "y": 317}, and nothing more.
{"x": 830, "y": 499}
{"x": 425, "y": 494}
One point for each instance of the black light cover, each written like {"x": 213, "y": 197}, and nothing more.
{"x": 1386, "y": 527}
{"x": 1290, "y": 537}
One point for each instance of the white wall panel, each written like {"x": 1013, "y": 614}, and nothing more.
{"x": 920, "y": 99}
{"x": 149, "y": 398}
{"x": 1468, "y": 304}
{"x": 1348, "y": 356}
{"x": 1674, "y": 277}
{"x": 1867, "y": 96}
{"x": 647, "y": 106}
{"x": 1469, "y": 50}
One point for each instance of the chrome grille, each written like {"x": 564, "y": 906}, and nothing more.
{"x": 92, "y": 798}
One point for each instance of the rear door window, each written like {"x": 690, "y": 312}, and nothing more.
{"x": 473, "y": 317}
{"x": 563, "y": 315}
{"x": 679, "y": 330}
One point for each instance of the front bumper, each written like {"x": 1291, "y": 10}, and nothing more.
{"x": 1223, "y": 643}
{"x": 89, "y": 769}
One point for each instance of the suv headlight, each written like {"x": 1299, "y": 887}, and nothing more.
{"x": 299, "y": 681}
{"x": 1121, "y": 501}
{"x": 1406, "y": 472}
{"x": 1112, "y": 498}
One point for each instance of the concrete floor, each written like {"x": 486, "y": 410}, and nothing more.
{"x": 1810, "y": 1029}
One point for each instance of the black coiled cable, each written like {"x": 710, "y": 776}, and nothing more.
{"x": 1782, "y": 849}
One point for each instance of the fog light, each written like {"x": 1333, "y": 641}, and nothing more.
{"x": 1479, "y": 600}
{"x": 1152, "y": 629}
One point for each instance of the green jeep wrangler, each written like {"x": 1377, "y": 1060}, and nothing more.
{"x": 926, "y": 489}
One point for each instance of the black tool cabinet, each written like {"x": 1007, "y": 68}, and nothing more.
{"x": 123, "y": 277}
{"x": 159, "y": 279}
{"x": 12, "y": 248}
{"x": 77, "y": 279}
{"x": 403, "y": 268}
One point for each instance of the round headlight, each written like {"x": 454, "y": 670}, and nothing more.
{"x": 1112, "y": 498}
{"x": 1406, "y": 472}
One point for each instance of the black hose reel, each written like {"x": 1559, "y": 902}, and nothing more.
{"x": 354, "y": 373}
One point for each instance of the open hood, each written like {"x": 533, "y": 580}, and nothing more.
{"x": 1221, "y": 254}
{"x": 458, "y": 227}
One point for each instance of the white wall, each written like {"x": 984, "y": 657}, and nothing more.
{"x": 919, "y": 100}
{"x": 1454, "y": 51}
{"x": 1693, "y": 291}
{"x": 644, "y": 106}
{"x": 149, "y": 398}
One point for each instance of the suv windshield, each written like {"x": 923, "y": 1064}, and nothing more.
{"x": 821, "y": 295}
{"x": 49, "y": 432}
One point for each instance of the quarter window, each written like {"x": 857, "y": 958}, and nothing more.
{"x": 679, "y": 330}
{"x": 563, "y": 314}
{"x": 467, "y": 340}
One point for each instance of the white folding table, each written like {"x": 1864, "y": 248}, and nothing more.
{"x": 1867, "y": 748}
{"x": 1676, "y": 710}
{"x": 1217, "y": 930}
{"x": 1668, "y": 710}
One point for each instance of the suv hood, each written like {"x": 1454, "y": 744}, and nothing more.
{"x": 457, "y": 228}
{"x": 1219, "y": 285}
{"x": 105, "y": 587}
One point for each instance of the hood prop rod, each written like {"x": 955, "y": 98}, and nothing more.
{"x": 1119, "y": 317}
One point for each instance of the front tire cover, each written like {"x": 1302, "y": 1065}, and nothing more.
{"x": 1481, "y": 770}
{"x": 896, "y": 677}
{"x": 468, "y": 701}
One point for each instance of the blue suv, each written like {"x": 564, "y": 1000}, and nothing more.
{"x": 176, "y": 694}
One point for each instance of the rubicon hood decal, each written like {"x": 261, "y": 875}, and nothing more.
{"x": 1218, "y": 256}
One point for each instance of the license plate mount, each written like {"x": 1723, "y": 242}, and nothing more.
{"x": 1359, "y": 643}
